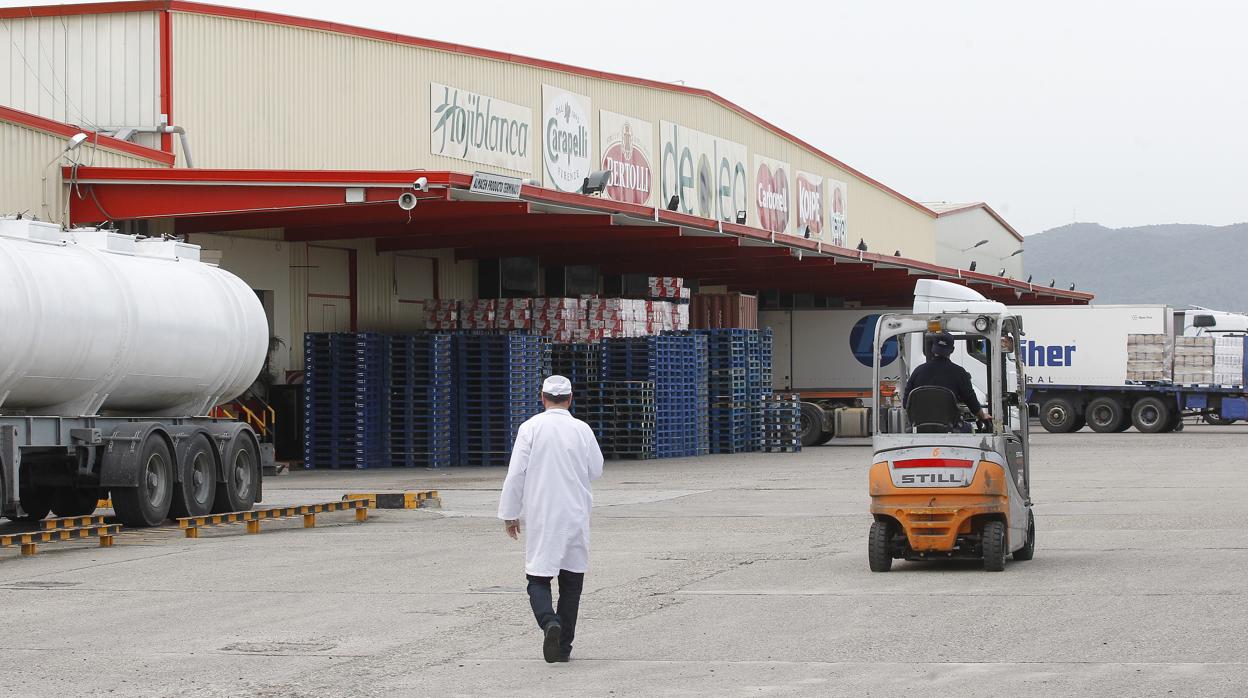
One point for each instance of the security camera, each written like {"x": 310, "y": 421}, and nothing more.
{"x": 421, "y": 184}
{"x": 407, "y": 201}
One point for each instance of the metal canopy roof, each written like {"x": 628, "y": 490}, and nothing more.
{"x": 559, "y": 228}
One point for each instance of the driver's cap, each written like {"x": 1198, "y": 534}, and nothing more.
{"x": 942, "y": 344}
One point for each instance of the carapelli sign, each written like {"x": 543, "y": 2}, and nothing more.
{"x": 627, "y": 148}
{"x": 481, "y": 129}
{"x": 809, "y": 197}
{"x": 772, "y": 200}
{"x": 567, "y": 137}
{"x": 708, "y": 173}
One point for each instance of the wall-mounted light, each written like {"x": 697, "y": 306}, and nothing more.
{"x": 741, "y": 217}
{"x": 674, "y": 203}
{"x": 596, "y": 182}
{"x": 862, "y": 245}
{"x": 981, "y": 243}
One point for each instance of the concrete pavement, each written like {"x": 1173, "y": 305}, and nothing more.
{"x": 724, "y": 575}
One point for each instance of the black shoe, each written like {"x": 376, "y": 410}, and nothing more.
{"x": 550, "y": 647}
{"x": 565, "y": 656}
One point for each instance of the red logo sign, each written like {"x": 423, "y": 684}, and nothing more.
{"x": 809, "y": 205}
{"x": 773, "y": 198}
{"x": 629, "y": 168}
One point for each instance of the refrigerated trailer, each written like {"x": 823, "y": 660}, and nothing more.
{"x": 113, "y": 348}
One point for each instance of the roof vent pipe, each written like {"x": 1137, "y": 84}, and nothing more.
{"x": 186, "y": 147}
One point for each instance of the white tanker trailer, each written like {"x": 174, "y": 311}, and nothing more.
{"x": 111, "y": 350}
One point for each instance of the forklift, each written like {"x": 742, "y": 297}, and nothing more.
{"x": 945, "y": 485}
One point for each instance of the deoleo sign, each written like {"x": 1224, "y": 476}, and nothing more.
{"x": 566, "y": 138}
{"x": 772, "y": 200}
{"x": 478, "y": 128}
{"x": 707, "y": 173}
{"x": 627, "y": 153}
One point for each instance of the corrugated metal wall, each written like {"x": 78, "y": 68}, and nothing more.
{"x": 285, "y": 97}
{"x": 956, "y": 232}
{"x": 25, "y": 151}
{"x": 91, "y": 70}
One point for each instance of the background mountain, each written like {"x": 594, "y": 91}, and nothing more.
{"x": 1177, "y": 264}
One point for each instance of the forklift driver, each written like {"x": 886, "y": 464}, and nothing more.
{"x": 938, "y": 370}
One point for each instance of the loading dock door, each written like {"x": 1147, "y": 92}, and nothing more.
{"x": 331, "y": 289}
{"x": 415, "y": 279}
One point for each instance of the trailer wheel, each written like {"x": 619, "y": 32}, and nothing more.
{"x": 36, "y": 502}
{"x": 1058, "y": 415}
{"x": 879, "y": 546}
{"x": 1151, "y": 415}
{"x": 1028, "y": 551}
{"x": 996, "y": 545}
{"x": 71, "y": 501}
{"x": 1106, "y": 415}
{"x": 1212, "y": 417}
{"x": 811, "y": 425}
{"x": 194, "y": 495}
{"x": 147, "y": 504}
{"x": 241, "y": 474}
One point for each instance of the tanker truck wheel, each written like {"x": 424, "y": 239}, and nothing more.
{"x": 241, "y": 471}
{"x": 36, "y": 502}
{"x": 73, "y": 501}
{"x": 194, "y": 495}
{"x": 147, "y": 504}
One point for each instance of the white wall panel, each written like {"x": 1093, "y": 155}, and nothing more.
{"x": 955, "y": 232}
{"x": 92, "y": 70}
{"x": 262, "y": 95}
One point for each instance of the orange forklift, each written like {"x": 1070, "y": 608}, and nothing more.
{"x": 945, "y": 485}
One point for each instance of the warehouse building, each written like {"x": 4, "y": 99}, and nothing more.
{"x": 351, "y": 176}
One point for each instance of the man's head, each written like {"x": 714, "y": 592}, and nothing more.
{"x": 941, "y": 345}
{"x": 557, "y": 392}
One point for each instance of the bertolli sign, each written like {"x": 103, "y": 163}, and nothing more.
{"x": 480, "y": 129}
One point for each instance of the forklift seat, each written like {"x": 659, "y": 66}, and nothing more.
{"x": 934, "y": 410}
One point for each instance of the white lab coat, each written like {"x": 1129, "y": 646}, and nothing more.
{"x": 547, "y": 487}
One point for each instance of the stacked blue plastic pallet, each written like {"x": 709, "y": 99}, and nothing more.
{"x": 344, "y": 400}
{"x": 670, "y": 361}
{"x": 729, "y": 383}
{"x": 581, "y": 363}
{"x": 420, "y": 427}
{"x": 622, "y": 414}
{"x": 782, "y": 426}
{"x": 498, "y": 381}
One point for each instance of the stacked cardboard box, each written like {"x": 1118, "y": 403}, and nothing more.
{"x": 668, "y": 287}
{"x": 561, "y": 319}
{"x": 442, "y": 314}
{"x": 513, "y": 313}
{"x": 618, "y": 317}
{"x": 1228, "y": 361}
{"x": 1193, "y": 360}
{"x": 1148, "y": 358}
{"x": 479, "y": 315}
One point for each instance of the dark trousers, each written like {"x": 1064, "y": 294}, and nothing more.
{"x": 570, "y": 585}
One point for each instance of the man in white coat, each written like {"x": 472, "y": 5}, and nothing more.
{"x": 552, "y": 463}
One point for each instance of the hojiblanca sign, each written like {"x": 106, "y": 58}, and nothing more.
{"x": 567, "y": 136}
{"x": 478, "y": 128}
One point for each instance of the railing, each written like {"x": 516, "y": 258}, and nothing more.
{"x": 263, "y": 420}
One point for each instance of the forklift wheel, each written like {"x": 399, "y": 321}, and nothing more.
{"x": 995, "y": 546}
{"x": 1029, "y": 550}
{"x": 879, "y": 547}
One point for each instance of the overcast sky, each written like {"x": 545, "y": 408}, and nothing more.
{"x": 1122, "y": 113}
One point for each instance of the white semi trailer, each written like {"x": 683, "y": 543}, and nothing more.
{"x": 113, "y": 349}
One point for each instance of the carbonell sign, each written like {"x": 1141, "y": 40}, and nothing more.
{"x": 566, "y": 138}
{"x": 478, "y": 128}
{"x": 771, "y": 193}
{"x": 626, "y": 154}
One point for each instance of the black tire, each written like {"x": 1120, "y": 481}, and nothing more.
{"x": 1151, "y": 415}
{"x": 148, "y": 503}
{"x": 879, "y": 546}
{"x": 1058, "y": 416}
{"x": 241, "y": 472}
{"x": 194, "y": 495}
{"x": 1212, "y": 417}
{"x": 1126, "y": 424}
{"x": 996, "y": 544}
{"x": 36, "y": 502}
{"x": 1028, "y": 551}
{"x": 70, "y": 501}
{"x": 1080, "y": 422}
{"x": 812, "y": 425}
{"x": 1106, "y": 415}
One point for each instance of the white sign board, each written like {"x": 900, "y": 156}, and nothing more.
{"x": 838, "y": 202}
{"x": 628, "y": 154}
{"x": 772, "y": 197}
{"x": 1084, "y": 345}
{"x": 495, "y": 185}
{"x": 477, "y": 128}
{"x": 708, "y": 173}
{"x": 567, "y": 139}
{"x": 809, "y": 204}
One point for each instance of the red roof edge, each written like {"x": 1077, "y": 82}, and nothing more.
{"x": 16, "y": 116}
{"x": 352, "y": 30}
{"x": 986, "y": 207}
